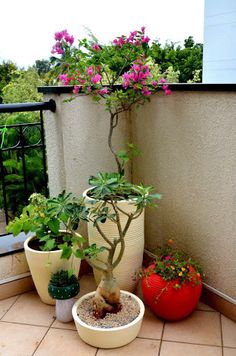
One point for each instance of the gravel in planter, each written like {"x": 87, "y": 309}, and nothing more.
{"x": 130, "y": 311}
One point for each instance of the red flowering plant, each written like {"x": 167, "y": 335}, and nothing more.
{"x": 121, "y": 73}
{"x": 172, "y": 284}
{"x": 172, "y": 264}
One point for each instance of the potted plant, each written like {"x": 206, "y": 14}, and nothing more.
{"x": 52, "y": 224}
{"x": 172, "y": 284}
{"x": 63, "y": 287}
{"x": 122, "y": 76}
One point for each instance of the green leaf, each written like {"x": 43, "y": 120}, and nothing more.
{"x": 79, "y": 254}
{"x": 17, "y": 228}
{"x": 123, "y": 155}
{"x": 66, "y": 251}
{"x": 54, "y": 225}
{"x": 49, "y": 245}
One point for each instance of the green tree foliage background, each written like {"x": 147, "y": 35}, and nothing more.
{"x": 21, "y": 86}
{"x": 187, "y": 60}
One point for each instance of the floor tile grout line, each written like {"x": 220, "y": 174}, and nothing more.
{"x": 17, "y": 297}
{"x": 148, "y": 338}
{"x": 43, "y": 337}
{"x": 18, "y": 323}
{"x": 60, "y": 328}
{"x": 206, "y": 311}
{"x": 221, "y": 334}
{"x": 162, "y": 333}
{"x": 192, "y": 343}
{"x": 209, "y": 311}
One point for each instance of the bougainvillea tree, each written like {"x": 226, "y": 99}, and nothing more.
{"x": 123, "y": 76}
{"x": 120, "y": 73}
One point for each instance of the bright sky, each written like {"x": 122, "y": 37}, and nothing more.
{"x": 27, "y": 27}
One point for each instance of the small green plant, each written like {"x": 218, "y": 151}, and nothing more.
{"x": 63, "y": 285}
{"x": 46, "y": 217}
{"x": 63, "y": 278}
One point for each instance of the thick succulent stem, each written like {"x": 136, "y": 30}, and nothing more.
{"x": 107, "y": 296}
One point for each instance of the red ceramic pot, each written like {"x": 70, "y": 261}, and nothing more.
{"x": 168, "y": 302}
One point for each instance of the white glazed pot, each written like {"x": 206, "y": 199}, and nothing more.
{"x": 110, "y": 337}
{"x": 42, "y": 264}
{"x": 134, "y": 244}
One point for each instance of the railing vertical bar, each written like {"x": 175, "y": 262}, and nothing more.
{"x": 22, "y": 141}
{"x": 4, "y": 193}
{"x": 44, "y": 152}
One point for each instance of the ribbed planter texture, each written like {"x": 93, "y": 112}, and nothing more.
{"x": 134, "y": 245}
{"x": 42, "y": 264}
{"x": 108, "y": 338}
{"x": 168, "y": 302}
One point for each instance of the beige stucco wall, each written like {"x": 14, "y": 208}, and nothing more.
{"x": 188, "y": 142}
{"x": 76, "y": 142}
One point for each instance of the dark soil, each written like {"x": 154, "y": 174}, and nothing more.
{"x": 35, "y": 244}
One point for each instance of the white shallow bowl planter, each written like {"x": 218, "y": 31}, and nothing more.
{"x": 42, "y": 264}
{"x": 112, "y": 337}
{"x": 134, "y": 244}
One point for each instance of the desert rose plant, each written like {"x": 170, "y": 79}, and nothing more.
{"x": 121, "y": 73}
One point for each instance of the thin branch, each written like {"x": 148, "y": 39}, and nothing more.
{"x": 94, "y": 265}
{"x": 102, "y": 234}
{"x": 112, "y": 116}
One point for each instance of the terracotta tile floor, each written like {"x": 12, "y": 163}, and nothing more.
{"x": 28, "y": 327}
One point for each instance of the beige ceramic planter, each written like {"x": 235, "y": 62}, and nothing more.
{"x": 112, "y": 337}
{"x": 134, "y": 245}
{"x": 42, "y": 264}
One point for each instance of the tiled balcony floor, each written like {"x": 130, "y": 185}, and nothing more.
{"x": 28, "y": 327}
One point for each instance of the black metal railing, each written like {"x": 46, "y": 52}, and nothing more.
{"x": 23, "y": 168}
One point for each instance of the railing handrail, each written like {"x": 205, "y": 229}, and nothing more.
{"x": 20, "y": 124}
{"x": 21, "y": 107}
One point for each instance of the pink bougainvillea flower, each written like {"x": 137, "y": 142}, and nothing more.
{"x": 58, "y": 36}
{"x": 96, "y": 47}
{"x": 57, "y": 48}
{"x": 64, "y": 79}
{"x": 69, "y": 39}
{"x": 120, "y": 41}
{"x": 103, "y": 91}
{"x": 146, "y": 91}
{"x": 154, "y": 83}
{"x": 133, "y": 33}
{"x": 82, "y": 81}
{"x": 167, "y": 92}
{"x": 89, "y": 71}
{"x": 96, "y": 78}
{"x": 76, "y": 89}
{"x": 143, "y": 29}
{"x": 126, "y": 80}
{"x": 145, "y": 39}
{"x": 162, "y": 80}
